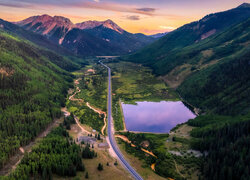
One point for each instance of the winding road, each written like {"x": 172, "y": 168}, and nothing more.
{"x": 111, "y": 131}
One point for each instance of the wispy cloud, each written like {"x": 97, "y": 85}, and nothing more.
{"x": 94, "y": 4}
{"x": 146, "y": 9}
{"x": 133, "y": 18}
{"x": 16, "y": 5}
{"x": 114, "y": 7}
{"x": 161, "y": 29}
{"x": 168, "y": 27}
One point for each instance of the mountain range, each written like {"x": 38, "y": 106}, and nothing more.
{"x": 88, "y": 38}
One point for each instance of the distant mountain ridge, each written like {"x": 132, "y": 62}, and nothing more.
{"x": 47, "y": 25}
{"x": 90, "y": 37}
{"x": 158, "y": 35}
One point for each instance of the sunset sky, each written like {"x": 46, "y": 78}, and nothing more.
{"x": 144, "y": 16}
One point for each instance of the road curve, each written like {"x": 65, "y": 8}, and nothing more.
{"x": 111, "y": 133}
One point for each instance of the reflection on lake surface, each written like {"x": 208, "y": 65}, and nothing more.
{"x": 156, "y": 117}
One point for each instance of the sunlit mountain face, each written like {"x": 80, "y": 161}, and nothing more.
{"x": 86, "y": 38}
{"x": 48, "y": 25}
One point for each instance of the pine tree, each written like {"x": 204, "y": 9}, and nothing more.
{"x": 87, "y": 175}
{"x": 100, "y": 167}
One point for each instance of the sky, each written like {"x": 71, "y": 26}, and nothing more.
{"x": 135, "y": 16}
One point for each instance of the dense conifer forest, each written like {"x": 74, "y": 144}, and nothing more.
{"x": 56, "y": 154}
{"x": 33, "y": 87}
{"x": 225, "y": 142}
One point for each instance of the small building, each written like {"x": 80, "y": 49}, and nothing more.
{"x": 103, "y": 145}
{"x": 87, "y": 140}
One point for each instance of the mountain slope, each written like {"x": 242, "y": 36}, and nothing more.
{"x": 32, "y": 90}
{"x": 211, "y": 74}
{"x": 88, "y": 38}
{"x": 83, "y": 43}
{"x": 222, "y": 83}
{"x": 33, "y": 37}
{"x": 158, "y": 35}
{"x": 120, "y": 43}
{"x": 55, "y": 28}
{"x": 159, "y": 54}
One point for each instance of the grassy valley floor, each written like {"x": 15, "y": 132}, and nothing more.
{"x": 174, "y": 156}
{"x": 166, "y": 155}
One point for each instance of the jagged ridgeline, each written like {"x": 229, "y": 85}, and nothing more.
{"x": 33, "y": 86}
{"x": 89, "y": 38}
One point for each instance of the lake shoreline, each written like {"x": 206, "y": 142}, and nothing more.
{"x": 155, "y": 117}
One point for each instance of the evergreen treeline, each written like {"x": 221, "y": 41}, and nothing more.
{"x": 225, "y": 142}
{"x": 87, "y": 153}
{"x": 32, "y": 91}
{"x": 56, "y": 154}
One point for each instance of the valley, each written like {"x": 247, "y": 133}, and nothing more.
{"x": 87, "y": 99}
{"x": 90, "y": 74}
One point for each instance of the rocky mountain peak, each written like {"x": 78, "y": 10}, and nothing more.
{"x": 111, "y": 25}
{"x": 107, "y": 24}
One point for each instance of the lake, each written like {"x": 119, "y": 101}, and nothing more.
{"x": 155, "y": 117}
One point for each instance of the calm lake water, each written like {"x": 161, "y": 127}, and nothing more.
{"x": 156, "y": 117}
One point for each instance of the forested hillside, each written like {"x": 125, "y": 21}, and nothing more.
{"x": 213, "y": 74}
{"x": 223, "y": 88}
{"x": 33, "y": 86}
{"x": 56, "y": 154}
{"x": 223, "y": 85}
{"x": 226, "y": 142}
{"x": 159, "y": 55}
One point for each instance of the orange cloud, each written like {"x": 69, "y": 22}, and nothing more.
{"x": 114, "y": 7}
{"x": 107, "y": 6}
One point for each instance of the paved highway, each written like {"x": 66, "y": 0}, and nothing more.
{"x": 111, "y": 133}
